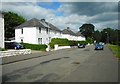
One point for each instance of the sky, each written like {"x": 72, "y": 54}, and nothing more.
{"x": 65, "y": 14}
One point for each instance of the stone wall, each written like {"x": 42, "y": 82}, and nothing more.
{"x": 14, "y": 52}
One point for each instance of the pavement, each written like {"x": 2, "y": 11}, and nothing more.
{"x": 66, "y": 65}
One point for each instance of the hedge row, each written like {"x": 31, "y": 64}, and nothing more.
{"x": 35, "y": 46}
{"x": 60, "y": 42}
{"x": 65, "y": 42}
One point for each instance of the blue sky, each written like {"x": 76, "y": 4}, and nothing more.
{"x": 72, "y": 14}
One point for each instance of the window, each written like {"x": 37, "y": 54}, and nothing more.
{"x": 21, "y": 31}
{"x": 39, "y": 30}
{"x": 39, "y": 40}
{"x": 21, "y": 40}
{"x": 47, "y": 30}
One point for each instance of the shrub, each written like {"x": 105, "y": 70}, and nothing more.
{"x": 73, "y": 43}
{"x": 2, "y": 49}
{"x": 59, "y": 41}
{"x": 35, "y": 46}
{"x": 83, "y": 42}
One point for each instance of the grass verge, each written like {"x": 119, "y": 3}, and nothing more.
{"x": 115, "y": 49}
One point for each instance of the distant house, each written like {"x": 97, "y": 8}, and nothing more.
{"x": 80, "y": 36}
{"x": 70, "y": 35}
{"x": 36, "y": 31}
{"x": 1, "y": 30}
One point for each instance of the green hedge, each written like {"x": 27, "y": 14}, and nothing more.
{"x": 65, "y": 42}
{"x": 59, "y": 41}
{"x": 35, "y": 46}
{"x": 83, "y": 42}
{"x": 2, "y": 49}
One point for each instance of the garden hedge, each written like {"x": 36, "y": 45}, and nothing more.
{"x": 35, "y": 46}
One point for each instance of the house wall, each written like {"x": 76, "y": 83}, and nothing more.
{"x": 46, "y": 37}
{"x": 28, "y": 36}
{"x": 80, "y": 38}
{"x": 1, "y": 32}
{"x": 34, "y": 36}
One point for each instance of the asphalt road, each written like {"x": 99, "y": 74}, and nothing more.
{"x": 68, "y": 65}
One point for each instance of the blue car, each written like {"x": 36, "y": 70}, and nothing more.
{"x": 99, "y": 47}
{"x": 13, "y": 45}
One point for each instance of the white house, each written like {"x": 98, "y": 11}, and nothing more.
{"x": 70, "y": 35}
{"x": 36, "y": 31}
{"x": 1, "y": 31}
{"x": 80, "y": 37}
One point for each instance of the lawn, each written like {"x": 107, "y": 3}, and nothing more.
{"x": 115, "y": 49}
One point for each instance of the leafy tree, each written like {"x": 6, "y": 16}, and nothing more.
{"x": 97, "y": 36}
{"x": 110, "y": 35}
{"x": 87, "y": 30}
{"x": 11, "y": 21}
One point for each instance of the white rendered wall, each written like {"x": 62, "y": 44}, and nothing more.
{"x": 1, "y": 32}
{"x": 28, "y": 36}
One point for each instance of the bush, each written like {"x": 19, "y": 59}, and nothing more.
{"x": 89, "y": 40}
{"x": 65, "y": 42}
{"x": 35, "y": 46}
{"x": 59, "y": 41}
{"x": 2, "y": 49}
{"x": 83, "y": 42}
{"x": 73, "y": 43}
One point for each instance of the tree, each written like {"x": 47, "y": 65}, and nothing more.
{"x": 110, "y": 35}
{"x": 11, "y": 21}
{"x": 87, "y": 30}
{"x": 97, "y": 36}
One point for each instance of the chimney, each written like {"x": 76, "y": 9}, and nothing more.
{"x": 43, "y": 20}
{"x": 68, "y": 27}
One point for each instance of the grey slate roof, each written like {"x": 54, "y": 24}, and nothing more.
{"x": 68, "y": 31}
{"x": 79, "y": 34}
{"x": 52, "y": 27}
{"x": 31, "y": 23}
{"x": 38, "y": 23}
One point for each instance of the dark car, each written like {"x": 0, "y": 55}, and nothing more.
{"x": 81, "y": 45}
{"x": 99, "y": 46}
{"x": 13, "y": 45}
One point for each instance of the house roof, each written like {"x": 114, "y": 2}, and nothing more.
{"x": 79, "y": 34}
{"x": 68, "y": 31}
{"x": 52, "y": 27}
{"x": 31, "y": 23}
{"x": 38, "y": 23}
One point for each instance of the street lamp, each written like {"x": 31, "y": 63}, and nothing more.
{"x": 107, "y": 37}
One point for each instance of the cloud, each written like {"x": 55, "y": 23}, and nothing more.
{"x": 88, "y": 8}
{"x": 100, "y": 14}
{"x": 27, "y": 10}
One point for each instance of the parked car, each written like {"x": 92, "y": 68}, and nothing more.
{"x": 99, "y": 46}
{"x": 81, "y": 45}
{"x": 13, "y": 45}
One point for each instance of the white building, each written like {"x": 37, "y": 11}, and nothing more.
{"x": 1, "y": 31}
{"x": 70, "y": 35}
{"x": 80, "y": 37}
{"x": 36, "y": 31}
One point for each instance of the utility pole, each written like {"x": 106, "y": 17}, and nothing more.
{"x": 107, "y": 37}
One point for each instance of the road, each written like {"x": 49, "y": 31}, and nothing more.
{"x": 68, "y": 65}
